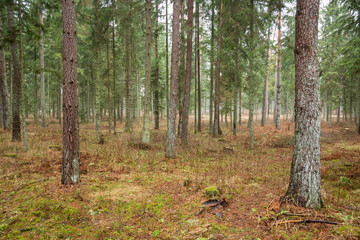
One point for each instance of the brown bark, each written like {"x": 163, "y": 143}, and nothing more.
{"x": 16, "y": 129}
{"x": 198, "y": 67}
{"x": 182, "y": 68}
{"x": 171, "y": 131}
{"x": 3, "y": 83}
{"x": 212, "y": 68}
{"x": 217, "y": 129}
{"x": 305, "y": 176}
{"x": 156, "y": 82}
{"x": 185, "y": 125}
{"x": 71, "y": 156}
{"x": 278, "y": 74}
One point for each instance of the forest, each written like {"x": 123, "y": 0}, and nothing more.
{"x": 180, "y": 119}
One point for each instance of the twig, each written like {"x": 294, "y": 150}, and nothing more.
{"x": 317, "y": 221}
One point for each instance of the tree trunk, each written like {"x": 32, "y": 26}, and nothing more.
{"x": 185, "y": 125}
{"x": 171, "y": 131}
{"x": 16, "y": 129}
{"x": 266, "y": 84}
{"x": 156, "y": 82}
{"x": 278, "y": 72}
{"x": 146, "y": 128}
{"x": 211, "y": 101}
{"x": 182, "y": 69}
{"x": 23, "y": 113}
{"x": 217, "y": 129}
{"x": 251, "y": 77}
{"x": 167, "y": 64}
{"x": 114, "y": 66}
{"x": 71, "y": 154}
{"x": 3, "y": 83}
{"x": 304, "y": 186}
{"x": 109, "y": 105}
{"x": 97, "y": 72}
{"x": 287, "y": 104}
{"x": 330, "y": 109}
{"x": 129, "y": 40}
{"x": 42, "y": 77}
{"x": 198, "y": 66}
{"x": 236, "y": 95}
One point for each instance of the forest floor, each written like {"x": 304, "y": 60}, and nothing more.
{"x": 131, "y": 191}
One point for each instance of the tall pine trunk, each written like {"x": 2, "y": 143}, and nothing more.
{"x": 16, "y": 88}
{"x": 251, "y": 77}
{"x": 3, "y": 83}
{"x": 278, "y": 72}
{"x": 305, "y": 176}
{"x": 23, "y": 114}
{"x": 156, "y": 82}
{"x": 171, "y": 131}
{"x": 146, "y": 128}
{"x": 71, "y": 154}
{"x": 211, "y": 100}
{"x": 266, "y": 85}
{"x": 42, "y": 77}
{"x": 182, "y": 69}
{"x": 185, "y": 125}
{"x": 198, "y": 66}
{"x": 129, "y": 100}
{"x": 216, "y": 128}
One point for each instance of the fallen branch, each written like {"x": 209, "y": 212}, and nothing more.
{"x": 317, "y": 221}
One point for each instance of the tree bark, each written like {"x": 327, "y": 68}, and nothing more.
{"x": 167, "y": 63}
{"x": 171, "y": 131}
{"x": 266, "y": 85}
{"x": 185, "y": 125}
{"x": 146, "y": 128}
{"x": 156, "y": 82}
{"x": 211, "y": 101}
{"x": 42, "y": 78}
{"x": 198, "y": 66}
{"x": 251, "y": 77}
{"x": 129, "y": 46}
{"x": 278, "y": 72}
{"x": 3, "y": 83}
{"x": 71, "y": 155}
{"x": 114, "y": 66}
{"x": 304, "y": 186}
{"x": 23, "y": 114}
{"x": 217, "y": 129}
{"x": 182, "y": 69}
{"x": 236, "y": 93}
{"x": 97, "y": 72}
{"x": 16, "y": 129}
{"x": 109, "y": 105}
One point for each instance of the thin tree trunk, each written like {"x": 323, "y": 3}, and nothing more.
{"x": 198, "y": 66}
{"x": 114, "y": 66}
{"x": 236, "y": 97}
{"x": 330, "y": 109}
{"x": 287, "y": 104}
{"x": 278, "y": 72}
{"x": 109, "y": 105}
{"x": 156, "y": 82}
{"x": 23, "y": 114}
{"x": 16, "y": 129}
{"x": 3, "y": 83}
{"x": 129, "y": 118}
{"x": 171, "y": 131}
{"x": 266, "y": 84}
{"x": 185, "y": 125}
{"x": 71, "y": 154}
{"x": 97, "y": 72}
{"x": 338, "y": 112}
{"x": 138, "y": 98}
{"x": 42, "y": 77}
{"x": 251, "y": 77}
{"x": 217, "y": 130}
{"x": 146, "y": 128}
{"x": 182, "y": 69}
{"x": 305, "y": 176}
{"x": 167, "y": 64}
{"x": 211, "y": 107}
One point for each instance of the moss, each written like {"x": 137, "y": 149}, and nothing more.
{"x": 56, "y": 147}
{"x": 10, "y": 155}
{"x": 212, "y": 192}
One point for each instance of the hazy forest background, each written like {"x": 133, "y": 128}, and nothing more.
{"x": 161, "y": 119}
